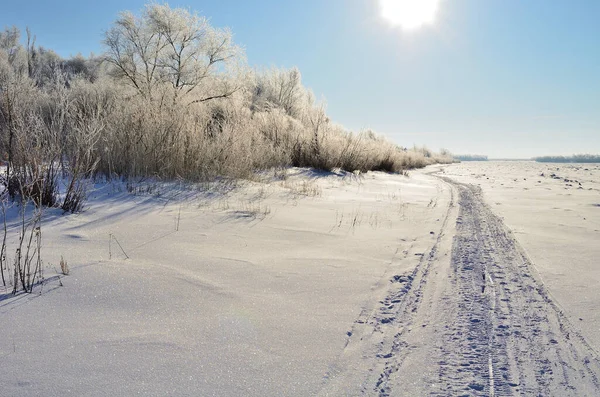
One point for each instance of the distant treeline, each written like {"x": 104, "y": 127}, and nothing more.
{"x": 577, "y": 158}
{"x": 471, "y": 157}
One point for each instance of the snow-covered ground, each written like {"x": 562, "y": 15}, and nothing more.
{"x": 244, "y": 290}
{"x": 318, "y": 284}
{"x": 554, "y": 212}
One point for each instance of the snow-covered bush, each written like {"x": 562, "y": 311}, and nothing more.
{"x": 172, "y": 98}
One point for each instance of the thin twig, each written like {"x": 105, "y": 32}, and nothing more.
{"x": 119, "y": 244}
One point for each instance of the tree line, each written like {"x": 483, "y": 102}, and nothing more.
{"x": 577, "y": 158}
{"x": 171, "y": 97}
{"x": 471, "y": 157}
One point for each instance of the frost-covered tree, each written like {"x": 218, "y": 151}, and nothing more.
{"x": 173, "y": 47}
{"x": 281, "y": 88}
{"x": 9, "y": 45}
{"x": 15, "y": 89}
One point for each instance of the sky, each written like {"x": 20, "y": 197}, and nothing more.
{"x": 504, "y": 78}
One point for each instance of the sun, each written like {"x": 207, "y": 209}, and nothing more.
{"x": 409, "y": 14}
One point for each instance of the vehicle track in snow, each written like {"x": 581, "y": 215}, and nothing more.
{"x": 508, "y": 336}
{"x": 479, "y": 323}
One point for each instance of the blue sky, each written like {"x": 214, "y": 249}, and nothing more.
{"x": 506, "y": 78}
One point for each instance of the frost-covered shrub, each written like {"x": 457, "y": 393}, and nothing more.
{"x": 172, "y": 98}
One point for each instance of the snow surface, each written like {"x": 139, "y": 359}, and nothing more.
{"x": 554, "y": 212}
{"x": 258, "y": 288}
{"x": 253, "y": 295}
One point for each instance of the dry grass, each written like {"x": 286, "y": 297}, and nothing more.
{"x": 54, "y": 122}
{"x": 64, "y": 267}
{"x": 306, "y": 188}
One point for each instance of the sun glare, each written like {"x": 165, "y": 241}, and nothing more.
{"x": 409, "y": 14}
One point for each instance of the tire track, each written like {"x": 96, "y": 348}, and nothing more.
{"x": 480, "y": 323}
{"x": 403, "y": 306}
{"x": 378, "y": 339}
{"x": 507, "y": 337}
{"x": 492, "y": 392}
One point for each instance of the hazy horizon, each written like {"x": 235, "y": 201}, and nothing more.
{"x": 507, "y": 79}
